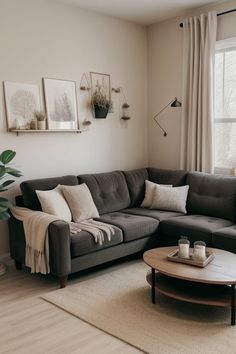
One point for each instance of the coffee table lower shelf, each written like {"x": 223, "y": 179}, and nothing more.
{"x": 194, "y": 292}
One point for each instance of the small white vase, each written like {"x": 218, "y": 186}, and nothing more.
{"x": 41, "y": 124}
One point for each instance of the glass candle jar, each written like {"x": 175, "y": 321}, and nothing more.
{"x": 199, "y": 251}
{"x": 184, "y": 247}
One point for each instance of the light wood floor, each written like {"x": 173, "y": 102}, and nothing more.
{"x": 30, "y": 325}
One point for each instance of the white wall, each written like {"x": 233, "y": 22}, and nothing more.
{"x": 47, "y": 39}
{"x": 165, "y": 81}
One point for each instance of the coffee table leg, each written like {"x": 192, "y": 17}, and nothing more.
{"x": 233, "y": 305}
{"x": 153, "y": 287}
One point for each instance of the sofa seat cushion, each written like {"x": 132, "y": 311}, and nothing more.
{"x": 156, "y": 214}
{"x": 225, "y": 239}
{"x": 133, "y": 226}
{"x": 195, "y": 227}
{"x": 83, "y": 242}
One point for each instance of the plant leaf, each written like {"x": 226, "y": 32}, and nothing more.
{"x": 3, "y": 208}
{"x": 5, "y": 184}
{"x": 13, "y": 172}
{"x": 2, "y": 170}
{"x": 5, "y": 203}
{"x": 6, "y": 156}
{"x": 4, "y": 215}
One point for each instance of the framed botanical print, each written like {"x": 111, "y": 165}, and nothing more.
{"x": 22, "y": 100}
{"x": 61, "y": 103}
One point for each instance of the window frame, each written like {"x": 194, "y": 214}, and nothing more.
{"x": 223, "y": 46}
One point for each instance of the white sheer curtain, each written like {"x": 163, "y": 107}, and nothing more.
{"x": 197, "y": 112}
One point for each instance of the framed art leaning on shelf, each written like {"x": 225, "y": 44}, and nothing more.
{"x": 61, "y": 103}
{"x": 22, "y": 100}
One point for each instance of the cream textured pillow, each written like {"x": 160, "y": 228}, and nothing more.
{"x": 80, "y": 202}
{"x": 53, "y": 202}
{"x": 149, "y": 192}
{"x": 172, "y": 199}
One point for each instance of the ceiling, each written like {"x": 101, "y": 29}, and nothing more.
{"x": 144, "y": 12}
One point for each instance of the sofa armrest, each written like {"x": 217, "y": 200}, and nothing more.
{"x": 59, "y": 248}
{"x": 59, "y": 245}
{"x": 17, "y": 239}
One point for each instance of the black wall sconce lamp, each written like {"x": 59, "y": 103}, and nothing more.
{"x": 173, "y": 103}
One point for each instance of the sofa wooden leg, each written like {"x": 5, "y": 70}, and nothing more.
{"x": 18, "y": 265}
{"x": 63, "y": 281}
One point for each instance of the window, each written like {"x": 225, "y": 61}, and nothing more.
{"x": 225, "y": 106}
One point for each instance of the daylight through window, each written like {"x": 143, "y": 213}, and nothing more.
{"x": 225, "y": 105}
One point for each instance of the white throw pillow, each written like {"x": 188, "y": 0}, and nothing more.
{"x": 149, "y": 193}
{"x": 53, "y": 202}
{"x": 172, "y": 199}
{"x": 80, "y": 202}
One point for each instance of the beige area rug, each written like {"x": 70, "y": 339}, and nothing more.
{"x": 118, "y": 302}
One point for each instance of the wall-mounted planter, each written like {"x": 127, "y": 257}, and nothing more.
{"x": 100, "y": 112}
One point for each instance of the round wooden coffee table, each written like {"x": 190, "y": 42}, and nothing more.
{"x": 212, "y": 285}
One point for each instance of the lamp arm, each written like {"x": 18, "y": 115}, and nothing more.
{"x": 165, "y": 133}
{"x": 157, "y": 114}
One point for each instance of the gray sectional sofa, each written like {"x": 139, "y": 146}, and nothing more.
{"x": 211, "y": 217}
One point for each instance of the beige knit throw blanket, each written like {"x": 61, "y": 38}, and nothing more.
{"x": 36, "y": 225}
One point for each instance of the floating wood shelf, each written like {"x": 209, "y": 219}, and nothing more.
{"x": 18, "y": 131}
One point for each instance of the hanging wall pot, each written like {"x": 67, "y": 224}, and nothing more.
{"x": 85, "y": 88}
{"x": 125, "y": 106}
{"x": 100, "y": 94}
{"x": 125, "y": 111}
{"x": 100, "y": 112}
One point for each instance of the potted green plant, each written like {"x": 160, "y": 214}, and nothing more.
{"x": 5, "y": 158}
{"x": 41, "y": 120}
{"x": 100, "y": 102}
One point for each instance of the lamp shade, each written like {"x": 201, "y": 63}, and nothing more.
{"x": 176, "y": 103}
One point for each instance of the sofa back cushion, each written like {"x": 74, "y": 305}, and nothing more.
{"x": 28, "y": 188}
{"x": 136, "y": 184}
{"x": 109, "y": 190}
{"x": 212, "y": 195}
{"x": 174, "y": 177}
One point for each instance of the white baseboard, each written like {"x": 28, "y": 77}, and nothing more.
{"x": 6, "y": 259}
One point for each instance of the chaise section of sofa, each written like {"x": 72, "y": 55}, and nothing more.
{"x": 225, "y": 239}
{"x": 194, "y": 227}
{"x": 211, "y": 206}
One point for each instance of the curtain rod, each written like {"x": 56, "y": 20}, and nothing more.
{"x": 219, "y": 14}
